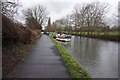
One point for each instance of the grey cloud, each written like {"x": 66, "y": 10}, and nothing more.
{"x": 58, "y": 7}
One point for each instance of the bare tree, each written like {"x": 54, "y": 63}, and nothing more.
{"x": 59, "y": 24}
{"x": 36, "y": 16}
{"x": 116, "y": 22}
{"x": 89, "y": 15}
{"x": 10, "y": 8}
{"x": 40, "y": 13}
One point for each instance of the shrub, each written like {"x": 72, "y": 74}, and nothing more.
{"x": 14, "y": 32}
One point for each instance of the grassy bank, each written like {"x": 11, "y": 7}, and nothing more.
{"x": 12, "y": 54}
{"x": 112, "y": 36}
{"x": 75, "y": 70}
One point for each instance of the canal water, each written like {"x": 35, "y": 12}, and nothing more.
{"x": 98, "y": 57}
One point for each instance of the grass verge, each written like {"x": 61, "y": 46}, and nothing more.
{"x": 75, "y": 70}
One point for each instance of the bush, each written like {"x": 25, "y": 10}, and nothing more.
{"x": 14, "y": 32}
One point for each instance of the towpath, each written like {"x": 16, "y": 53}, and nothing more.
{"x": 43, "y": 62}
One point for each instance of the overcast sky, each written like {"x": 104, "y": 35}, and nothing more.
{"x": 60, "y": 8}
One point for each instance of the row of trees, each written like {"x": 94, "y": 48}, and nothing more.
{"x": 88, "y": 17}
{"x": 35, "y": 17}
{"x": 13, "y": 30}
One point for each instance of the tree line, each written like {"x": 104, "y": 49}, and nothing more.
{"x": 88, "y": 17}
{"x": 35, "y": 16}
{"x": 13, "y": 30}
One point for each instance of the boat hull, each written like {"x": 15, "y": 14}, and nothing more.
{"x": 63, "y": 39}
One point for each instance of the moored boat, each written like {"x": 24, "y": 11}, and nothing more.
{"x": 63, "y": 37}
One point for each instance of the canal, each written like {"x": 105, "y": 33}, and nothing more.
{"x": 98, "y": 57}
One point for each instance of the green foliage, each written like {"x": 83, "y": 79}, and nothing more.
{"x": 76, "y": 71}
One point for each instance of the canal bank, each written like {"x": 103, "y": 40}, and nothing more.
{"x": 109, "y": 36}
{"x": 75, "y": 70}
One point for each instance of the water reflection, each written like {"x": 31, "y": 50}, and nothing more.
{"x": 98, "y": 57}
